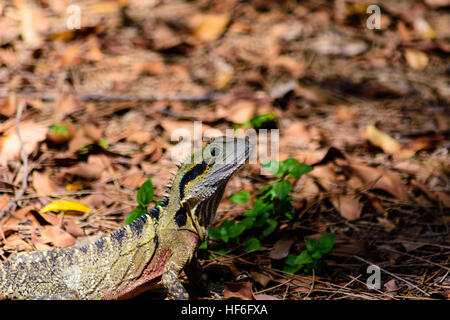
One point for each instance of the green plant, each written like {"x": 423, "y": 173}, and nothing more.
{"x": 257, "y": 121}
{"x": 144, "y": 197}
{"x": 272, "y": 203}
{"x": 311, "y": 258}
{"x": 62, "y": 129}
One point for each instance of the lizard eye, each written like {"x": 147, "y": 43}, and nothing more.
{"x": 214, "y": 151}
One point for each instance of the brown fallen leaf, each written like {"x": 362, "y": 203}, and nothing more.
{"x": 15, "y": 242}
{"x": 224, "y": 73}
{"x": 377, "y": 178}
{"x": 73, "y": 228}
{"x": 241, "y": 111}
{"x": 209, "y": 27}
{"x": 139, "y": 137}
{"x": 239, "y": 290}
{"x": 345, "y": 113}
{"x": 417, "y": 60}
{"x": 386, "y": 224}
{"x": 380, "y": 139}
{"x": 281, "y": 248}
{"x": 263, "y": 296}
{"x": 51, "y": 218}
{"x": 391, "y": 286}
{"x": 85, "y": 171}
{"x": 261, "y": 278}
{"x": 31, "y": 132}
{"x": 153, "y": 68}
{"x": 348, "y": 206}
{"x": 421, "y": 143}
{"x": 8, "y": 106}
{"x": 56, "y": 236}
{"x": 42, "y": 182}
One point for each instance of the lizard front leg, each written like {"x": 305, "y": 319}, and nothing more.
{"x": 183, "y": 252}
{"x": 173, "y": 285}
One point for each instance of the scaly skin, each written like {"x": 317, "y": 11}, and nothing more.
{"x": 153, "y": 249}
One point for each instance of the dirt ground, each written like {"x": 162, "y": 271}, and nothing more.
{"x": 366, "y": 104}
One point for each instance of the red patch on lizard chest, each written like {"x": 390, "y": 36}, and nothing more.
{"x": 149, "y": 277}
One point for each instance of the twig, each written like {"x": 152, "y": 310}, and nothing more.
{"x": 393, "y": 275}
{"x": 179, "y": 96}
{"x": 24, "y": 156}
{"x": 418, "y": 258}
{"x": 274, "y": 287}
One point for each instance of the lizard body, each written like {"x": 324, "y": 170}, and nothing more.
{"x": 153, "y": 249}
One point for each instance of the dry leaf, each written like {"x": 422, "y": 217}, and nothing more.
{"x": 153, "y": 68}
{"x": 8, "y": 107}
{"x": 345, "y": 113}
{"x": 209, "y": 27}
{"x": 224, "y": 73}
{"x": 348, "y": 206}
{"x": 50, "y": 218}
{"x": 73, "y": 228}
{"x": 139, "y": 137}
{"x": 57, "y": 236}
{"x": 416, "y": 59}
{"x": 65, "y": 205}
{"x": 241, "y": 111}
{"x": 281, "y": 248}
{"x": 377, "y": 178}
{"x": 32, "y": 133}
{"x": 380, "y": 139}
{"x": 437, "y": 3}
{"x": 42, "y": 182}
{"x": 391, "y": 286}
{"x": 15, "y": 242}
{"x": 263, "y": 296}
{"x": 239, "y": 290}
{"x": 261, "y": 278}
{"x": 86, "y": 171}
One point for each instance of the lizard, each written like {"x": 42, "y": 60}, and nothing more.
{"x": 150, "y": 251}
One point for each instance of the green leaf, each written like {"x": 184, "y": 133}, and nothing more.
{"x": 325, "y": 243}
{"x": 259, "y": 207}
{"x": 145, "y": 193}
{"x": 266, "y": 189}
{"x": 62, "y": 129}
{"x": 203, "y": 245}
{"x": 259, "y": 120}
{"x": 291, "y": 260}
{"x": 292, "y": 269}
{"x": 273, "y": 167}
{"x": 282, "y": 188}
{"x": 304, "y": 258}
{"x": 252, "y": 244}
{"x": 261, "y": 219}
{"x": 103, "y": 143}
{"x": 214, "y": 233}
{"x": 241, "y": 197}
{"x": 316, "y": 255}
{"x": 271, "y": 226}
{"x": 310, "y": 245}
{"x": 135, "y": 214}
{"x": 297, "y": 169}
{"x": 236, "y": 230}
{"x": 294, "y": 263}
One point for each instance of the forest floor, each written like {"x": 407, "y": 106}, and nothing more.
{"x": 96, "y": 108}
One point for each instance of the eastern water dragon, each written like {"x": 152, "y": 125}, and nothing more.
{"x": 152, "y": 250}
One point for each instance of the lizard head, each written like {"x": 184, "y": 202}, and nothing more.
{"x": 201, "y": 180}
